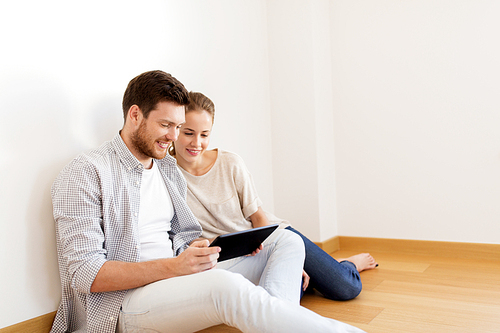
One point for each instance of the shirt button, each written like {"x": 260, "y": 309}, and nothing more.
{"x": 111, "y": 318}
{"x": 137, "y": 183}
{"x": 135, "y": 214}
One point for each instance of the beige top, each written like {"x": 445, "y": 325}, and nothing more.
{"x": 224, "y": 198}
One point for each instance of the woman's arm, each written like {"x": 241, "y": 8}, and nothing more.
{"x": 259, "y": 218}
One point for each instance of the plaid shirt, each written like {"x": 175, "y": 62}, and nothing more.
{"x": 96, "y": 207}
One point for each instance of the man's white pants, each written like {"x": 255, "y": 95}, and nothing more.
{"x": 254, "y": 294}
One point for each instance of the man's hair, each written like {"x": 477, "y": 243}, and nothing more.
{"x": 148, "y": 89}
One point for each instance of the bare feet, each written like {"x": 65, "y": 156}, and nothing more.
{"x": 363, "y": 261}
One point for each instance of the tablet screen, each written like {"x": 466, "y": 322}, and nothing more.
{"x": 241, "y": 243}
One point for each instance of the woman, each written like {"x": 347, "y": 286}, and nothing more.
{"x": 222, "y": 196}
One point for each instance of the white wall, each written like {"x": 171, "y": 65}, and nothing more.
{"x": 302, "y": 118}
{"x": 417, "y": 119}
{"x": 64, "y": 67}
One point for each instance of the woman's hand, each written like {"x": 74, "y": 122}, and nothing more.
{"x": 256, "y": 251}
{"x": 305, "y": 280}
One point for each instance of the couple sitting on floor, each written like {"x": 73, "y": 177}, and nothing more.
{"x": 132, "y": 225}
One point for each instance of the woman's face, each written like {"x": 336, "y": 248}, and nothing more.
{"x": 194, "y": 136}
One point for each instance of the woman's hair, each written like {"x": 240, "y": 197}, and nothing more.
{"x": 197, "y": 102}
{"x": 200, "y": 102}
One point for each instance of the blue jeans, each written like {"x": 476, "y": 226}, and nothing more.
{"x": 334, "y": 280}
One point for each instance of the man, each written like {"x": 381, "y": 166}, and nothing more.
{"x": 129, "y": 251}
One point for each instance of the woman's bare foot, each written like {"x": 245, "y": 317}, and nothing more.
{"x": 362, "y": 261}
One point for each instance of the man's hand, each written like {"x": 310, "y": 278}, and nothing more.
{"x": 198, "y": 257}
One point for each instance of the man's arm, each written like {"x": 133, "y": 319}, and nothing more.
{"x": 116, "y": 275}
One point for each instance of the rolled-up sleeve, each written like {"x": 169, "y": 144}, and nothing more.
{"x": 77, "y": 207}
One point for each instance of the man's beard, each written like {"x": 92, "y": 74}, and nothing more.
{"x": 145, "y": 144}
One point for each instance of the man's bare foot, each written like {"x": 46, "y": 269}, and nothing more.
{"x": 362, "y": 261}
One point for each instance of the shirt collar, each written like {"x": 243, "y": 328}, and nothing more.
{"x": 124, "y": 154}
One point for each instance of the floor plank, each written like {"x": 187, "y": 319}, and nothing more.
{"x": 343, "y": 311}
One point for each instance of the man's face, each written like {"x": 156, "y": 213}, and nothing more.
{"x": 156, "y": 133}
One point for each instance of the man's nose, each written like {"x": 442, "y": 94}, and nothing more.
{"x": 172, "y": 134}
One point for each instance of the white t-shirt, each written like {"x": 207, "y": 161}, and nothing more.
{"x": 155, "y": 213}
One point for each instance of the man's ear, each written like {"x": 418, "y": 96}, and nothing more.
{"x": 134, "y": 115}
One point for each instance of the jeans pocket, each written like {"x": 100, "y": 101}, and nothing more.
{"x": 134, "y": 322}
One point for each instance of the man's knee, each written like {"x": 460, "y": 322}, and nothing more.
{"x": 290, "y": 241}
{"x": 292, "y": 238}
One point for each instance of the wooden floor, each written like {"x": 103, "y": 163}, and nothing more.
{"x": 417, "y": 293}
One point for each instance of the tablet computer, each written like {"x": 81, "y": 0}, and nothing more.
{"x": 241, "y": 243}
